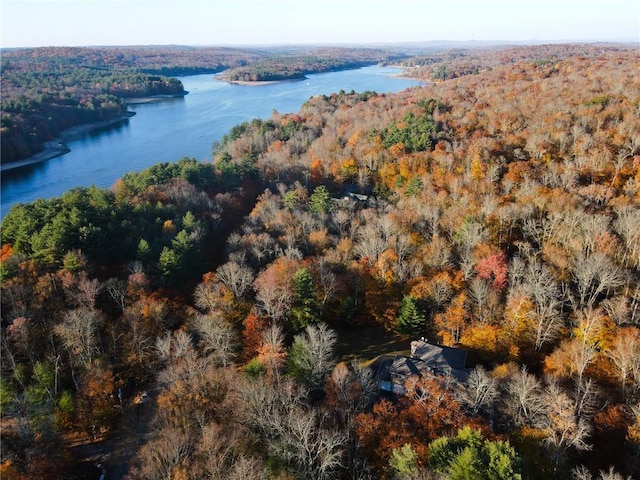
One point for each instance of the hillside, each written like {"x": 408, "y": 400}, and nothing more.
{"x": 497, "y": 212}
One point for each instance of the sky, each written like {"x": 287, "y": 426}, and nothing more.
{"x": 29, "y": 23}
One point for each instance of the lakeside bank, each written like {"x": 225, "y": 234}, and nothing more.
{"x": 58, "y": 146}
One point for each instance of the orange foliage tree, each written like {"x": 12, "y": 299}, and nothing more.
{"x": 428, "y": 410}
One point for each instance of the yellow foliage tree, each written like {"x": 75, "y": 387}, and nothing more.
{"x": 484, "y": 339}
{"x": 453, "y": 321}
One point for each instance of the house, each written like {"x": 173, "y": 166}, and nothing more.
{"x": 426, "y": 359}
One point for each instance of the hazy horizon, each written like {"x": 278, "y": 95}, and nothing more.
{"x": 246, "y": 23}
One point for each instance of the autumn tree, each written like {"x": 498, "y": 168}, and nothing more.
{"x": 626, "y": 225}
{"x": 237, "y": 277}
{"x": 295, "y": 436}
{"x": 216, "y": 338}
{"x": 594, "y": 275}
{"x": 539, "y": 284}
{"x": 582, "y": 473}
{"x": 97, "y": 403}
{"x": 495, "y": 268}
{"x": 349, "y": 390}
{"x": 523, "y": 400}
{"x": 117, "y": 290}
{"x": 272, "y": 352}
{"x": 253, "y": 326}
{"x": 81, "y": 290}
{"x": 274, "y": 288}
{"x": 562, "y": 428}
{"x": 633, "y": 430}
{"x": 166, "y": 455}
{"x": 19, "y": 339}
{"x": 453, "y": 321}
{"x": 573, "y": 356}
{"x": 311, "y": 355}
{"x": 213, "y": 296}
{"x": 480, "y": 392}
{"x": 624, "y": 355}
{"x": 430, "y": 406}
{"x": 327, "y": 285}
{"x": 380, "y": 431}
{"x": 80, "y": 335}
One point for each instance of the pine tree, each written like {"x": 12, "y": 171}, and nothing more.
{"x": 320, "y": 200}
{"x": 411, "y": 319}
{"x": 470, "y": 456}
{"x": 304, "y": 307}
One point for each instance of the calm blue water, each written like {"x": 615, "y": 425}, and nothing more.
{"x": 171, "y": 129}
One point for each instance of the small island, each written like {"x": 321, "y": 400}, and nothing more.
{"x": 297, "y": 65}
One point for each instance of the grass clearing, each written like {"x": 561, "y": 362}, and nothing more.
{"x": 367, "y": 344}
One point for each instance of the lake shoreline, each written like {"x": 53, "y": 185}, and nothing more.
{"x": 165, "y": 131}
{"x": 261, "y": 83}
{"x": 58, "y": 146}
{"x": 154, "y": 98}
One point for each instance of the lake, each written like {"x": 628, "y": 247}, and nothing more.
{"x": 167, "y": 130}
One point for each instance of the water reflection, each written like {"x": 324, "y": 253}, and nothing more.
{"x": 108, "y": 129}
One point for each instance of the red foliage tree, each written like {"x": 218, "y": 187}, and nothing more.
{"x": 494, "y": 267}
{"x": 254, "y": 326}
{"x": 427, "y": 411}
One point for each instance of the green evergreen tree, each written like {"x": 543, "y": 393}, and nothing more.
{"x": 144, "y": 251}
{"x": 404, "y": 462}
{"x": 410, "y": 319}
{"x": 291, "y": 200}
{"x": 348, "y": 310}
{"x": 7, "y": 395}
{"x": 466, "y": 465}
{"x": 74, "y": 261}
{"x": 414, "y": 187}
{"x": 320, "y": 200}
{"x": 304, "y": 307}
{"x": 469, "y": 456}
{"x": 168, "y": 263}
{"x": 298, "y": 359}
{"x": 502, "y": 460}
{"x": 189, "y": 222}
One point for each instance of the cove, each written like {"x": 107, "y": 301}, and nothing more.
{"x": 167, "y": 130}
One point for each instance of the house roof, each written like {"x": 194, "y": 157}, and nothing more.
{"x": 438, "y": 356}
{"x": 406, "y": 366}
{"x": 427, "y": 358}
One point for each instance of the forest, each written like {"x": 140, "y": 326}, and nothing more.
{"x": 295, "y": 65}
{"x": 227, "y": 316}
{"x": 48, "y": 90}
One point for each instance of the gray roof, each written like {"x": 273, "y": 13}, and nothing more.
{"x": 438, "y": 356}
{"x": 429, "y": 358}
